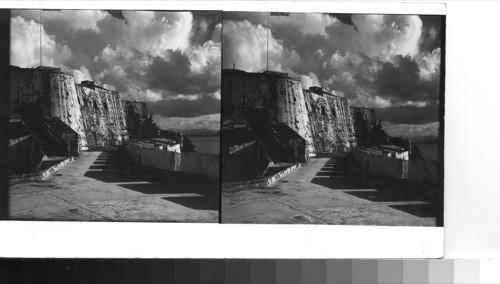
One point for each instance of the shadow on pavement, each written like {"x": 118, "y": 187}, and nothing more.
{"x": 109, "y": 176}
{"x": 420, "y": 210}
{"x": 379, "y": 196}
{"x": 336, "y": 183}
{"x": 337, "y": 174}
{"x": 104, "y": 169}
{"x": 196, "y": 202}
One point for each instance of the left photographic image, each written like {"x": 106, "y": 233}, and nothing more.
{"x": 114, "y": 115}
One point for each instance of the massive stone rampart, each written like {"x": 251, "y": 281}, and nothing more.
{"x": 134, "y": 113}
{"x": 47, "y": 92}
{"x": 363, "y": 119}
{"x": 103, "y": 119}
{"x": 323, "y": 119}
{"x": 93, "y": 112}
{"x": 330, "y": 121}
{"x": 279, "y": 93}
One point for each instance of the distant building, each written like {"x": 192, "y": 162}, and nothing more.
{"x": 397, "y": 152}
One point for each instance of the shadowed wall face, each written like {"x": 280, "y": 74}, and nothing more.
{"x": 47, "y": 92}
{"x": 135, "y": 113}
{"x": 94, "y": 113}
{"x": 324, "y": 120}
{"x": 363, "y": 119}
{"x": 280, "y": 94}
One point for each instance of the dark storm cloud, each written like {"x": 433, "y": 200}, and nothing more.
{"x": 257, "y": 18}
{"x": 204, "y": 24}
{"x": 116, "y": 13}
{"x": 175, "y": 76}
{"x": 410, "y": 114}
{"x": 185, "y": 108}
{"x": 344, "y": 18}
{"x": 85, "y": 46}
{"x": 310, "y": 45}
{"x": 387, "y": 62}
{"x": 401, "y": 80}
{"x": 431, "y": 33}
{"x": 112, "y": 30}
{"x": 169, "y": 59}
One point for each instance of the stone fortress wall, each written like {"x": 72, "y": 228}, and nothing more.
{"x": 363, "y": 119}
{"x": 133, "y": 112}
{"x": 103, "y": 119}
{"x": 93, "y": 112}
{"x": 50, "y": 92}
{"x": 331, "y": 122}
{"x": 323, "y": 119}
{"x": 280, "y": 94}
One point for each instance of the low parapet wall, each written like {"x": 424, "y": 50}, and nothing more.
{"x": 159, "y": 159}
{"x": 423, "y": 171}
{"x": 200, "y": 164}
{"x": 190, "y": 162}
{"x": 416, "y": 170}
{"x": 379, "y": 165}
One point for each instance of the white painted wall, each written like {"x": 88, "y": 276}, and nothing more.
{"x": 200, "y": 164}
{"x": 418, "y": 170}
{"x": 190, "y": 162}
{"x": 159, "y": 159}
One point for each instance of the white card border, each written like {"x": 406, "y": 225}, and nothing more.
{"x": 165, "y": 240}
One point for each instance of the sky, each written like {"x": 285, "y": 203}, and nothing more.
{"x": 387, "y": 62}
{"x": 171, "y": 60}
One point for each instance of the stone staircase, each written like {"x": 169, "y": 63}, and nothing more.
{"x": 107, "y": 161}
{"x": 337, "y": 166}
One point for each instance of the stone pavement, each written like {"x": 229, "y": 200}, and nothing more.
{"x": 91, "y": 189}
{"x": 323, "y": 191}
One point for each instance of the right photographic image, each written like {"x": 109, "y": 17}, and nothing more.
{"x": 332, "y": 119}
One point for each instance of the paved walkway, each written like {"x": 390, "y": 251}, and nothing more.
{"x": 91, "y": 189}
{"x": 319, "y": 193}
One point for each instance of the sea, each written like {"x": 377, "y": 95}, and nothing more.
{"x": 429, "y": 151}
{"x": 206, "y": 144}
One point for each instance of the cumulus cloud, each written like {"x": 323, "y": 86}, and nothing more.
{"x": 387, "y": 62}
{"x": 157, "y": 32}
{"x": 173, "y": 74}
{"x": 388, "y": 35}
{"x": 402, "y": 80}
{"x": 176, "y": 68}
{"x": 305, "y": 23}
{"x": 25, "y": 45}
{"x": 145, "y": 55}
{"x": 55, "y": 21}
{"x": 82, "y": 74}
{"x": 363, "y": 99}
{"x": 246, "y": 46}
{"x": 309, "y": 80}
{"x": 429, "y": 63}
{"x": 205, "y": 58}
